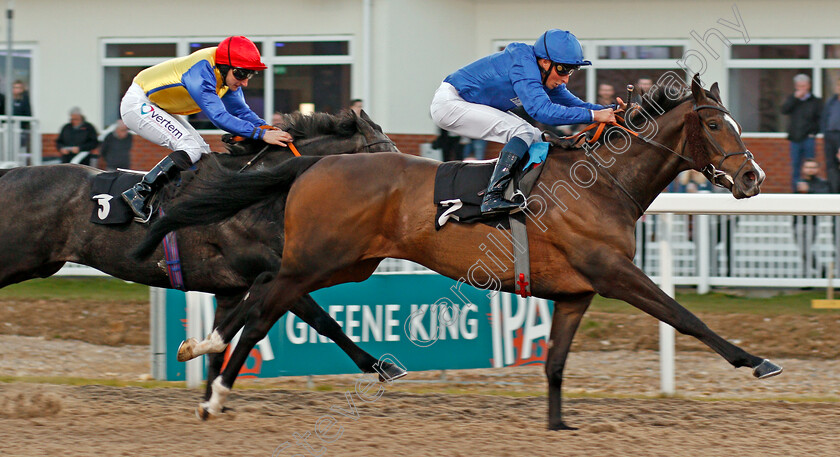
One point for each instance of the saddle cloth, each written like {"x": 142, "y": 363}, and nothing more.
{"x": 109, "y": 207}
{"x": 460, "y": 187}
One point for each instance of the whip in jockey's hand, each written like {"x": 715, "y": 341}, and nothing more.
{"x": 209, "y": 80}
{"x": 474, "y": 102}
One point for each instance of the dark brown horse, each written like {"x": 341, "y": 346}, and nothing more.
{"x": 47, "y": 210}
{"x": 344, "y": 214}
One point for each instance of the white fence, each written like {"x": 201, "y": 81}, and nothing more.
{"x": 25, "y": 145}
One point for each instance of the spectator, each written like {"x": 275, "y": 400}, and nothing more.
{"x": 811, "y": 183}
{"x": 606, "y": 94}
{"x": 116, "y": 148}
{"x": 77, "y": 139}
{"x": 474, "y": 149}
{"x": 276, "y": 118}
{"x": 21, "y": 107}
{"x": 692, "y": 181}
{"x": 449, "y": 144}
{"x": 805, "y": 227}
{"x": 831, "y": 129}
{"x": 804, "y": 110}
{"x": 643, "y": 86}
{"x": 20, "y": 99}
{"x": 356, "y": 106}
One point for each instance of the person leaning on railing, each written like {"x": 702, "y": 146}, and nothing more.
{"x": 77, "y": 140}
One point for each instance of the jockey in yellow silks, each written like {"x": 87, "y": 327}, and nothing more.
{"x": 208, "y": 81}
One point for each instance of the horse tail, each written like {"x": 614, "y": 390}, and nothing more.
{"x": 216, "y": 194}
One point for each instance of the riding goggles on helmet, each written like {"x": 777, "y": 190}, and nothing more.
{"x": 563, "y": 69}
{"x": 242, "y": 74}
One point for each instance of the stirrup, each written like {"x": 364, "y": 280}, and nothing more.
{"x": 145, "y": 219}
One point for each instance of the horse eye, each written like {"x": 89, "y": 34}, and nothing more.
{"x": 713, "y": 125}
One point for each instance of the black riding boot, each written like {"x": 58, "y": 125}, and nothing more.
{"x": 494, "y": 201}
{"x": 167, "y": 169}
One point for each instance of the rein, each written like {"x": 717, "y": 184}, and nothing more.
{"x": 297, "y": 154}
{"x": 712, "y": 173}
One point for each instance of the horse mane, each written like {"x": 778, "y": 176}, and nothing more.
{"x": 301, "y": 125}
{"x": 658, "y": 102}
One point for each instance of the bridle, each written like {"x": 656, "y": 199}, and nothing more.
{"x": 714, "y": 174}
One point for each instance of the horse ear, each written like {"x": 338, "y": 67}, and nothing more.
{"x": 697, "y": 89}
{"x": 365, "y": 125}
{"x": 715, "y": 90}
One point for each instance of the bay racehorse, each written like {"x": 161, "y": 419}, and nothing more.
{"x": 47, "y": 211}
{"x": 344, "y": 214}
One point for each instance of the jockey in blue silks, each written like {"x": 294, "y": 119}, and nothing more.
{"x": 473, "y": 102}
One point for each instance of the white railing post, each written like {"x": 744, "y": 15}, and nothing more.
{"x": 666, "y": 332}
{"x": 704, "y": 250}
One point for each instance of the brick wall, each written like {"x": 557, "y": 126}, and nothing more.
{"x": 771, "y": 153}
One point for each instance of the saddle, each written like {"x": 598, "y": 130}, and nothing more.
{"x": 106, "y": 192}
{"x": 460, "y": 187}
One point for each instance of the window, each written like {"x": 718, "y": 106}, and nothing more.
{"x": 761, "y": 78}
{"x": 302, "y": 71}
{"x": 619, "y": 63}
{"x": 327, "y": 86}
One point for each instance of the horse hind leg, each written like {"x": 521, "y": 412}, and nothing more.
{"x": 566, "y": 319}
{"x": 226, "y": 323}
{"x": 281, "y": 293}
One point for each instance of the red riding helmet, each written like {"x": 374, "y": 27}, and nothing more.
{"x": 239, "y": 52}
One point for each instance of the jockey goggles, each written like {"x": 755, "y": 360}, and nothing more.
{"x": 242, "y": 74}
{"x": 563, "y": 69}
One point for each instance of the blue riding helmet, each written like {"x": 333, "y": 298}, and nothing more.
{"x": 560, "y": 46}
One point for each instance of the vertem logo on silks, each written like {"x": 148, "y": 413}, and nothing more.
{"x": 146, "y": 108}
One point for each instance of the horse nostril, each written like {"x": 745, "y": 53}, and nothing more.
{"x": 749, "y": 177}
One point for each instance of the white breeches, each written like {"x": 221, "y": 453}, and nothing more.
{"x": 453, "y": 113}
{"x": 156, "y": 125}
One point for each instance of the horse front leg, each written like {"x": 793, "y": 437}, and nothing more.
{"x": 619, "y": 278}
{"x": 568, "y": 312}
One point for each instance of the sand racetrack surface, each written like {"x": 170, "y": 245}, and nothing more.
{"x": 610, "y": 394}
{"x": 99, "y": 420}
{"x": 721, "y": 412}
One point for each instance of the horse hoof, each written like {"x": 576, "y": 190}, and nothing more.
{"x": 389, "y": 372}
{"x": 185, "y": 350}
{"x": 203, "y": 413}
{"x": 560, "y": 426}
{"x": 766, "y": 369}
